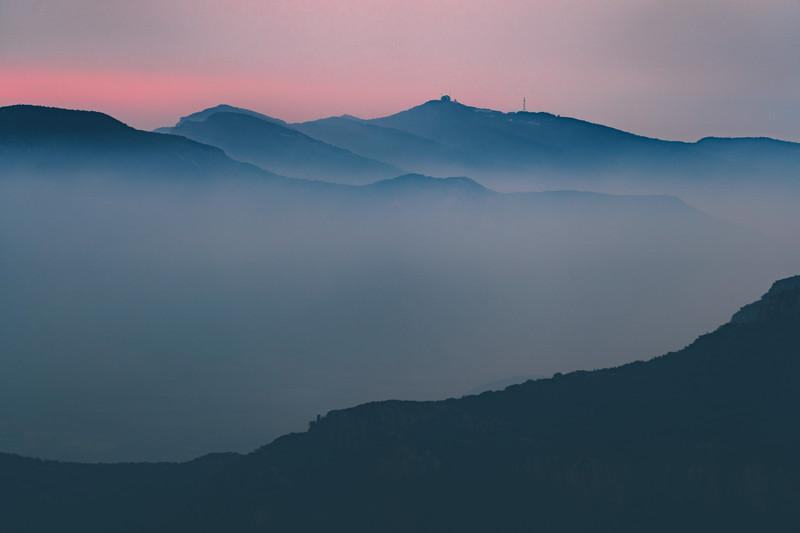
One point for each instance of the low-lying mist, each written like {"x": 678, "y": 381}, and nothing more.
{"x": 155, "y": 321}
{"x": 764, "y": 201}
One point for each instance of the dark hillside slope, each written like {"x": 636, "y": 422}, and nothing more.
{"x": 704, "y": 439}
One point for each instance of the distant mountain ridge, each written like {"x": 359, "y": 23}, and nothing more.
{"x": 445, "y": 137}
{"x": 700, "y": 439}
{"x": 398, "y": 147}
{"x": 225, "y": 108}
{"x": 417, "y": 182}
{"x": 273, "y": 145}
{"x": 550, "y": 144}
{"x": 52, "y": 141}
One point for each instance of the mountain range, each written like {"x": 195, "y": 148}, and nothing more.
{"x": 701, "y": 439}
{"x": 272, "y": 144}
{"x": 43, "y": 141}
{"x": 439, "y": 137}
{"x": 445, "y": 137}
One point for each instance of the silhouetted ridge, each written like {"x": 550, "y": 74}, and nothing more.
{"x": 530, "y": 145}
{"x": 279, "y": 147}
{"x": 48, "y": 141}
{"x": 397, "y": 147}
{"x": 780, "y": 303}
{"x": 445, "y": 137}
{"x": 249, "y": 123}
{"x": 58, "y": 141}
{"x": 23, "y": 123}
{"x": 446, "y": 102}
{"x": 745, "y": 140}
{"x": 225, "y": 108}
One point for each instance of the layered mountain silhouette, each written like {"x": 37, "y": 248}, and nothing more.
{"x": 462, "y": 195}
{"x": 702, "y": 439}
{"x": 555, "y": 145}
{"x": 46, "y": 141}
{"x": 420, "y": 183}
{"x": 445, "y": 137}
{"x": 519, "y": 141}
{"x": 225, "y": 108}
{"x": 273, "y": 145}
{"x": 398, "y": 147}
{"x": 42, "y": 141}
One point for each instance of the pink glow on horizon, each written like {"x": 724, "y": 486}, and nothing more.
{"x": 680, "y": 69}
{"x": 144, "y": 99}
{"x": 151, "y": 99}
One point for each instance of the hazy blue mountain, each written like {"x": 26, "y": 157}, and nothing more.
{"x": 445, "y": 137}
{"x": 280, "y": 148}
{"x": 701, "y": 439}
{"x": 225, "y": 108}
{"x": 543, "y": 145}
{"x": 400, "y": 148}
{"x": 41, "y": 140}
{"x": 421, "y": 184}
{"x": 751, "y": 155}
{"x": 508, "y": 141}
{"x": 409, "y": 190}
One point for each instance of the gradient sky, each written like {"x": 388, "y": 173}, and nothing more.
{"x": 677, "y": 69}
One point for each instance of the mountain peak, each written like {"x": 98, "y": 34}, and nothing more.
{"x": 781, "y": 302}
{"x": 22, "y": 121}
{"x": 199, "y": 116}
{"x": 443, "y": 102}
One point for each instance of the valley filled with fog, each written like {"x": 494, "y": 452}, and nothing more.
{"x": 162, "y": 319}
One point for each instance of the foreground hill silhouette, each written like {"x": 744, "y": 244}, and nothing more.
{"x": 703, "y": 439}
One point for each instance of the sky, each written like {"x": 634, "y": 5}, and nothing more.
{"x": 680, "y": 69}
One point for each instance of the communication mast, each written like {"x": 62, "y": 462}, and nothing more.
{"x": 524, "y": 104}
